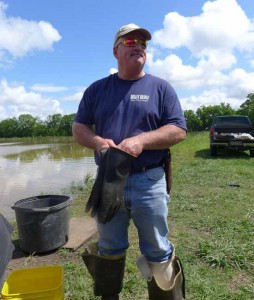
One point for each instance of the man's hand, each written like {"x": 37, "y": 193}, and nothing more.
{"x": 86, "y": 137}
{"x": 161, "y": 138}
{"x": 100, "y": 143}
{"x": 132, "y": 145}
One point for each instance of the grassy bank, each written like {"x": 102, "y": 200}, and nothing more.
{"x": 211, "y": 219}
{"x": 212, "y": 213}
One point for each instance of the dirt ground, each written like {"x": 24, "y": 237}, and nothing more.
{"x": 21, "y": 260}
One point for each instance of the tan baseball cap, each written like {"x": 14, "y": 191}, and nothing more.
{"x": 132, "y": 27}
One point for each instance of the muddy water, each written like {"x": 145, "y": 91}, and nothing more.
{"x": 30, "y": 170}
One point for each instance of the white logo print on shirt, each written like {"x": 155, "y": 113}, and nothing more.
{"x": 139, "y": 98}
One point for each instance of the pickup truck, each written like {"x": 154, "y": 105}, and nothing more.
{"x": 231, "y": 132}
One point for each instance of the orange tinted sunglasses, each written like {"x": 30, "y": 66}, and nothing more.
{"x": 134, "y": 42}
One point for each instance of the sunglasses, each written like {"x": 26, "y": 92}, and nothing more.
{"x": 134, "y": 42}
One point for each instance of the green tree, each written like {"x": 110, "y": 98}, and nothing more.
{"x": 66, "y": 125}
{"x": 247, "y": 108}
{"x": 8, "y": 128}
{"x": 26, "y": 125}
{"x": 53, "y": 124}
{"x": 193, "y": 123}
{"x": 40, "y": 128}
{"x": 206, "y": 113}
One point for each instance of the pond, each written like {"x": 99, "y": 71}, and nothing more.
{"x": 28, "y": 170}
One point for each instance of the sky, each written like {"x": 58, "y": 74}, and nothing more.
{"x": 52, "y": 50}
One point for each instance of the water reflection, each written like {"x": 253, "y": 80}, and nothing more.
{"x": 29, "y": 170}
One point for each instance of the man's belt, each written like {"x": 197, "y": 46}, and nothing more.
{"x": 165, "y": 163}
{"x": 145, "y": 168}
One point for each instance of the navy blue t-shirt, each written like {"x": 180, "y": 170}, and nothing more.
{"x": 124, "y": 108}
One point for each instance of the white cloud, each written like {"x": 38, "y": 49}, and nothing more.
{"x": 15, "y": 100}
{"x": 209, "y": 97}
{"x": 76, "y": 97}
{"x": 222, "y": 25}
{"x": 19, "y": 37}
{"x": 215, "y": 41}
{"x": 239, "y": 82}
{"x": 113, "y": 70}
{"x": 48, "y": 88}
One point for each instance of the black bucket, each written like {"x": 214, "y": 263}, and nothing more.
{"x": 42, "y": 222}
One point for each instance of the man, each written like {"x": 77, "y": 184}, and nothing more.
{"x": 139, "y": 114}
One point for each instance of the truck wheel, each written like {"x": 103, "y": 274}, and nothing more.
{"x": 213, "y": 150}
{"x": 251, "y": 153}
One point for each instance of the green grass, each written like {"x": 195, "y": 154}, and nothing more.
{"x": 212, "y": 221}
{"x": 211, "y": 224}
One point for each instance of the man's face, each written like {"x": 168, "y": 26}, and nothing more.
{"x": 130, "y": 56}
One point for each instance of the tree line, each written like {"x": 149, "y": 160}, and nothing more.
{"x": 60, "y": 125}
{"x": 28, "y": 126}
{"x": 202, "y": 118}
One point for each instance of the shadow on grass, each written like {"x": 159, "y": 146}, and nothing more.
{"x": 222, "y": 154}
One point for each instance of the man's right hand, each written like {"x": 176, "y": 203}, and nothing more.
{"x": 100, "y": 143}
{"x": 86, "y": 137}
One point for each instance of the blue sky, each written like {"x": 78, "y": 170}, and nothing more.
{"x": 51, "y": 50}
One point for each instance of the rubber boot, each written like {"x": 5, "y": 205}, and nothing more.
{"x": 95, "y": 196}
{"x": 107, "y": 272}
{"x": 167, "y": 281}
{"x": 118, "y": 164}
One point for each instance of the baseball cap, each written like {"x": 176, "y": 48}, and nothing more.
{"x": 132, "y": 27}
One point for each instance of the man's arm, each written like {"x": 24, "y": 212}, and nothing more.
{"x": 161, "y": 138}
{"x": 86, "y": 137}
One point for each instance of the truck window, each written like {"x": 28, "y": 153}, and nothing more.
{"x": 232, "y": 122}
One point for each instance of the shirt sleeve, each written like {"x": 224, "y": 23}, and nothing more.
{"x": 85, "y": 113}
{"x": 172, "y": 110}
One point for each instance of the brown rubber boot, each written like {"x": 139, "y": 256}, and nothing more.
{"x": 107, "y": 272}
{"x": 174, "y": 289}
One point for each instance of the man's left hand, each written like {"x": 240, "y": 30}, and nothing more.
{"x": 132, "y": 145}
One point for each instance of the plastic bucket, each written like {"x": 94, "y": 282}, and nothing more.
{"x": 44, "y": 283}
{"x": 42, "y": 222}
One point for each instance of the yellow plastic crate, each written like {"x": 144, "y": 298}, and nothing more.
{"x": 44, "y": 283}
